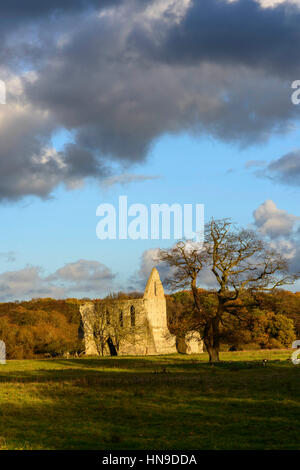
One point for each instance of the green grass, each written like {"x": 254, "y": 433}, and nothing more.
{"x": 133, "y": 403}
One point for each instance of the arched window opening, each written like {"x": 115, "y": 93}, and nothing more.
{"x": 155, "y": 288}
{"x": 107, "y": 317}
{"x": 132, "y": 315}
{"x": 121, "y": 320}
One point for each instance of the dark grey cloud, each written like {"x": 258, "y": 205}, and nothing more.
{"x": 120, "y": 78}
{"x": 285, "y": 170}
{"x": 30, "y": 29}
{"x": 28, "y": 166}
{"x": 33, "y": 9}
{"x": 119, "y": 101}
{"x": 28, "y": 163}
{"x": 238, "y": 32}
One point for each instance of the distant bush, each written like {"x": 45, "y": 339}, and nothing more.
{"x": 40, "y": 328}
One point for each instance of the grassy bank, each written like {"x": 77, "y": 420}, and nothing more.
{"x": 165, "y": 402}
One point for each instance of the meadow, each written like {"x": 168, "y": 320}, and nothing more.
{"x": 250, "y": 400}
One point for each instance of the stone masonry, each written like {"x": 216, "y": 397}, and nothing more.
{"x": 132, "y": 326}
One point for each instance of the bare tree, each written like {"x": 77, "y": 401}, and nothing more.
{"x": 115, "y": 329}
{"x": 239, "y": 261}
{"x": 100, "y": 330}
{"x": 186, "y": 259}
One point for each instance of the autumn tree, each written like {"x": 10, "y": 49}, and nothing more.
{"x": 239, "y": 261}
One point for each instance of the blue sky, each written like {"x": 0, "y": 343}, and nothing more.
{"x": 155, "y": 93}
{"x": 61, "y": 230}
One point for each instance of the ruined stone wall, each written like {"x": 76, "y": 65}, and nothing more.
{"x": 88, "y": 319}
{"x": 132, "y": 326}
{"x": 115, "y": 319}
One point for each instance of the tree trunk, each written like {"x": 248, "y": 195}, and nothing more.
{"x": 212, "y": 340}
{"x": 211, "y": 335}
{"x": 196, "y": 294}
{"x": 213, "y": 354}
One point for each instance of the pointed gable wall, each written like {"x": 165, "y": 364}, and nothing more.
{"x": 159, "y": 339}
{"x": 154, "y": 288}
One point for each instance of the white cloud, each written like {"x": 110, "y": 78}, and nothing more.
{"x": 167, "y": 8}
{"x": 272, "y": 221}
{"x": 85, "y": 276}
{"x": 271, "y": 3}
{"x": 126, "y": 178}
{"x": 25, "y": 284}
{"x": 254, "y": 163}
{"x": 77, "y": 279}
{"x": 284, "y": 232}
{"x": 288, "y": 248}
{"x": 150, "y": 259}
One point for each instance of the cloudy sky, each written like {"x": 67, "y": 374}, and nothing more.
{"x": 164, "y": 101}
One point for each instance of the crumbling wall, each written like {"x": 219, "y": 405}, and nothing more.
{"x": 133, "y": 326}
{"x": 121, "y": 322}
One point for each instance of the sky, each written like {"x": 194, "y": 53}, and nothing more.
{"x": 163, "y": 101}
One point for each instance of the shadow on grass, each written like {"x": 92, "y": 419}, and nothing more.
{"x": 160, "y": 370}
{"x": 249, "y": 410}
{"x": 159, "y": 402}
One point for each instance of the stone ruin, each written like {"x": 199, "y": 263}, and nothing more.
{"x": 133, "y": 326}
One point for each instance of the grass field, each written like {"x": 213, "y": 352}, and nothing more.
{"x": 165, "y": 402}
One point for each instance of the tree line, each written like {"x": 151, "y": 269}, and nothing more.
{"x": 247, "y": 306}
{"x": 49, "y": 328}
